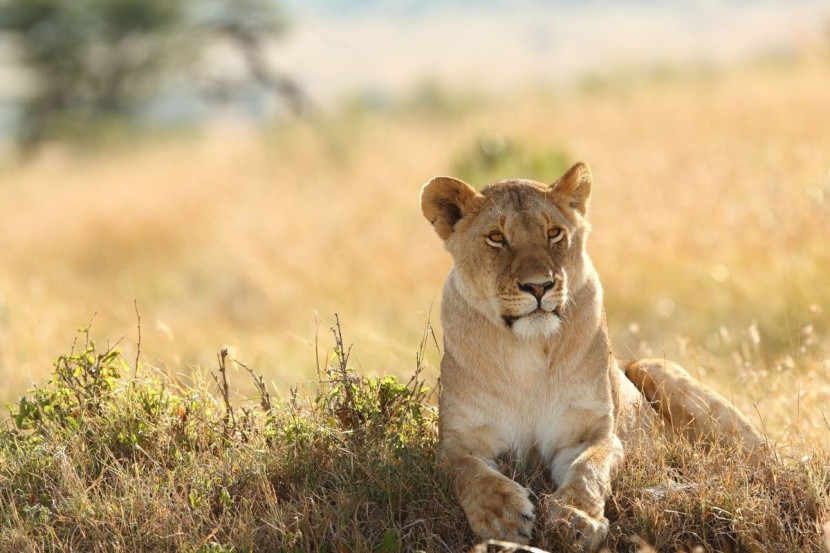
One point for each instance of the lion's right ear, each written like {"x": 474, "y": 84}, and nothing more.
{"x": 445, "y": 201}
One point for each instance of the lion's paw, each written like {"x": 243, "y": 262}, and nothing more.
{"x": 574, "y": 527}
{"x": 499, "y": 508}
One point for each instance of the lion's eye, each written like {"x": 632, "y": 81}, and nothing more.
{"x": 555, "y": 235}
{"x": 495, "y": 239}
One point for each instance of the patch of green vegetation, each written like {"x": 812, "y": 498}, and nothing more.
{"x": 494, "y": 157}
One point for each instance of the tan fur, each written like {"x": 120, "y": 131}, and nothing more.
{"x": 691, "y": 409}
{"x": 528, "y": 367}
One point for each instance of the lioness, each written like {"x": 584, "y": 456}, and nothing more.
{"x": 528, "y": 367}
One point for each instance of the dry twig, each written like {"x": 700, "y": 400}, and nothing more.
{"x": 229, "y": 419}
{"x": 264, "y": 396}
{"x": 138, "y": 343}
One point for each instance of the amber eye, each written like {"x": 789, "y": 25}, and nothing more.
{"x": 495, "y": 239}
{"x": 555, "y": 235}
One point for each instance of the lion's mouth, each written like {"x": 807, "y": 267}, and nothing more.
{"x": 538, "y": 312}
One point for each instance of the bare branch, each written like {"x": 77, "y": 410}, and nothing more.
{"x": 138, "y": 343}
{"x": 229, "y": 419}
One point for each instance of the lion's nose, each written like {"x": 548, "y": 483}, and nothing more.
{"x": 537, "y": 289}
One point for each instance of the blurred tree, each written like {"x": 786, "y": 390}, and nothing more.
{"x": 94, "y": 60}
{"x": 89, "y": 58}
{"x": 249, "y": 25}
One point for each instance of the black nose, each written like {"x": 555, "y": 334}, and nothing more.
{"x": 537, "y": 289}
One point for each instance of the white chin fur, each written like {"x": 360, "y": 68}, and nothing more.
{"x": 537, "y": 325}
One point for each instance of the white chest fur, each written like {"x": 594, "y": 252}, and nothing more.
{"x": 542, "y": 406}
{"x": 542, "y": 401}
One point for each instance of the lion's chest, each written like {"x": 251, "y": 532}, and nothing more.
{"x": 550, "y": 409}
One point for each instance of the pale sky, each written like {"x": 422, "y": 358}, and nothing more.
{"x": 499, "y": 47}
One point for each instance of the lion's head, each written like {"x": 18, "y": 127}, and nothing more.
{"x": 518, "y": 245}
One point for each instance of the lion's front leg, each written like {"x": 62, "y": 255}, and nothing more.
{"x": 576, "y": 510}
{"x": 496, "y": 506}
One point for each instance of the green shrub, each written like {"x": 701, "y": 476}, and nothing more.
{"x": 494, "y": 157}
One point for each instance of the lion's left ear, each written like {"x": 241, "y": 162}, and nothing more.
{"x": 573, "y": 189}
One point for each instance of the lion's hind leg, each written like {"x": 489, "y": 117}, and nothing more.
{"x": 691, "y": 409}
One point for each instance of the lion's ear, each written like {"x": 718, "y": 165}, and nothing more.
{"x": 445, "y": 201}
{"x": 573, "y": 189}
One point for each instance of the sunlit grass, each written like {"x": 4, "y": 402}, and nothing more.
{"x": 711, "y": 210}
{"x": 109, "y": 456}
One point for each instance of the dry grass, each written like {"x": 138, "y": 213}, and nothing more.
{"x": 711, "y": 211}
{"x": 98, "y": 463}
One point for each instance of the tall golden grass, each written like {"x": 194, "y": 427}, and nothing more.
{"x": 711, "y": 212}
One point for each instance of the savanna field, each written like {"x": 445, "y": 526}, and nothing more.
{"x": 711, "y": 215}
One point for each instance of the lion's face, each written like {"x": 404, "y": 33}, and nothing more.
{"x": 518, "y": 246}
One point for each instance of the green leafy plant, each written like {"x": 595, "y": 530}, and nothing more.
{"x": 493, "y": 157}
{"x": 81, "y": 383}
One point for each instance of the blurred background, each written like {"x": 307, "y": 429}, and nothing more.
{"x": 238, "y": 171}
